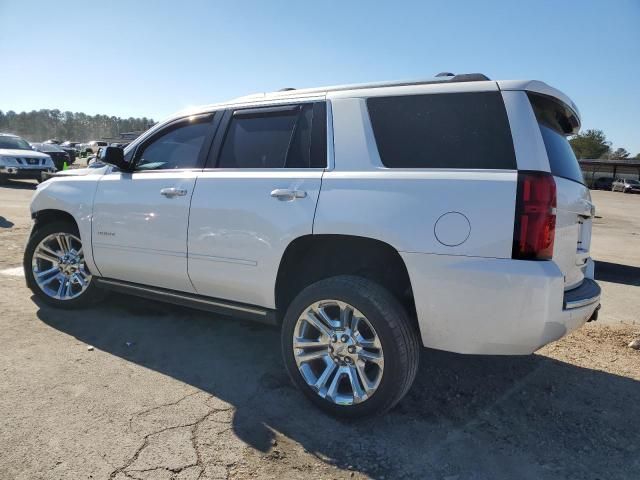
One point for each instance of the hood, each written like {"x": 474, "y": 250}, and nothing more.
{"x": 79, "y": 172}
{"x": 10, "y": 152}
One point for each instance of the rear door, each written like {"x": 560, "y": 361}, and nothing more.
{"x": 257, "y": 194}
{"x": 571, "y": 251}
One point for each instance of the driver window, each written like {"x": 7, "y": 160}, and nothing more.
{"x": 177, "y": 149}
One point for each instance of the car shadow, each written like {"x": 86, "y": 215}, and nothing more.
{"x": 617, "y": 273}
{"x": 509, "y": 417}
{"x": 4, "y": 223}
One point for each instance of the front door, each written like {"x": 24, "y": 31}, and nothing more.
{"x": 139, "y": 229}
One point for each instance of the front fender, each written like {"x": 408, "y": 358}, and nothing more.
{"x": 74, "y": 196}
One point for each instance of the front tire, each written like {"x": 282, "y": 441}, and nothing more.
{"x": 349, "y": 345}
{"x": 54, "y": 267}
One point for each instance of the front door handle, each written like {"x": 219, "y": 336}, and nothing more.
{"x": 171, "y": 192}
{"x": 286, "y": 194}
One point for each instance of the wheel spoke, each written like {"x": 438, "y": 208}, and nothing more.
{"x": 46, "y": 273}
{"x": 332, "y": 392}
{"x": 79, "y": 279}
{"x": 312, "y": 355}
{"x": 367, "y": 342}
{"x": 58, "y": 277}
{"x": 317, "y": 323}
{"x": 49, "y": 251}
{"x": 368, "y": 386}
{"x": 371, "y": 357}
{"x": 355, "y": 320}
{"x": 67, "y": 291}
{"x": 325, "y": 318}
{"x": 358, "y": 393}
{"x": 321, "y": 383}
{"x": 45, "y": 256}
{"x": 63, "y": 281}
{"x": 301, "y": 342}
{"x": 346, "y": 312}
{"x": 62, "y": 243}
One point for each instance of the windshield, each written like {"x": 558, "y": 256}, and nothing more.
{"x": 15, "y": 143}
{"x": 633, "y": 182}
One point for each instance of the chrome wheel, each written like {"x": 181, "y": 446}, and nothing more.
{"x": 58, "y": 266}
{"x": 338, "y": 352}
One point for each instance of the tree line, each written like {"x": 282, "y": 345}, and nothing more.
{"x": 44, "y": 124}
{"x": 593, "y": 144}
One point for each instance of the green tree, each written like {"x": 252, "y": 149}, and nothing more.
{"x": 619, "y": 154}
{"x": 590, "y": 144}
{"x": 40, "y": 125}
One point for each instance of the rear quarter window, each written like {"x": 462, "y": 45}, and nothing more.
{"x": 450, "y": 130}
{"x": 554, "y": 121}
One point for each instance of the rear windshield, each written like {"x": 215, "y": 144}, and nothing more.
{"x": 553, "y": 124}
{"x": 447, "y": 130}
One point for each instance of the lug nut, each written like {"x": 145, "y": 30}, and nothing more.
{"x": 347, "y": 359}
{"x": 334, "y": 338}
{"x": 335, "y": 360}
{"x": 351, "y": 349}
{"x": 344, "y": 339}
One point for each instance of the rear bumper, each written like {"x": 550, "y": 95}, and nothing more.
{"x": 585, "y": 295}
{"x": 495, "y": 306}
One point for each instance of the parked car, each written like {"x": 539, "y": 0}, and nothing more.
{"x": 603, "y": 183}
{"x": 72, "y": 152}
{"x": 93, "y": 146}
{"x": 365, "y": 221}
{"x": 53, "y": 141}
{"x": 18, "y": 160}
{"x": 57, "y": 154}
{"x": 626, "y": 185}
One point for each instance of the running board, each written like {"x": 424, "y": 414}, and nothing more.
{"x": 200, "y": 302}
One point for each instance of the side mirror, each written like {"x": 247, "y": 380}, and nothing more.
{"x": 113, "y": 156}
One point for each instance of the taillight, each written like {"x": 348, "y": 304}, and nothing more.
{"x": 535, "y": 222}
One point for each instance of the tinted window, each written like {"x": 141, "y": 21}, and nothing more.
{"x": 277, "y": 137}
{"x": 562, "y": 160}
{"x": 554, "y": 120}
{"x": 451, "y": 130}
{"x": 178, "y": 148}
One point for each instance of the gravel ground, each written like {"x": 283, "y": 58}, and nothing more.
{"x": 171, "y": 393}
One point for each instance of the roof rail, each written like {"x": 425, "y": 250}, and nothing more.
{"x": 470, "y": 77}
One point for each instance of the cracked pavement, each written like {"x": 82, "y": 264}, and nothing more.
{"x": 172, "y": 393}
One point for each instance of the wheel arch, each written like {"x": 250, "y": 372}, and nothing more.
{"x": 310, "y": 258}
{"x": 50, "y": 215}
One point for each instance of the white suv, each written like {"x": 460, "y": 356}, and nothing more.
{"x": 364, "y": 220}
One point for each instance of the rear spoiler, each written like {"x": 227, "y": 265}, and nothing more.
{"x": 541, "y": 88}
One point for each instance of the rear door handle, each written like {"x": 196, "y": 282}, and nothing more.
{"x": 171, "y": 192}
{"x": 286, "y": 194}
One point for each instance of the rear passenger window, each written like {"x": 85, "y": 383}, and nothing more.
{"x": 448, "y": 130}
{"x": 272, "y": 137}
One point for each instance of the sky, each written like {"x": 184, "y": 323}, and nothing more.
{"x": 152, "y": 58}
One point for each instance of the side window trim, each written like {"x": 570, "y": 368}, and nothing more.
{"x": 212, "y": 118}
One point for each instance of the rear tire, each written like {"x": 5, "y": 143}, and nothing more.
{"x": 56, "y": 272}
{"x": 340, "y": 350}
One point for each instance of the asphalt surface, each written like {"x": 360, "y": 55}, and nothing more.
{"x": 143, "y": 390}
